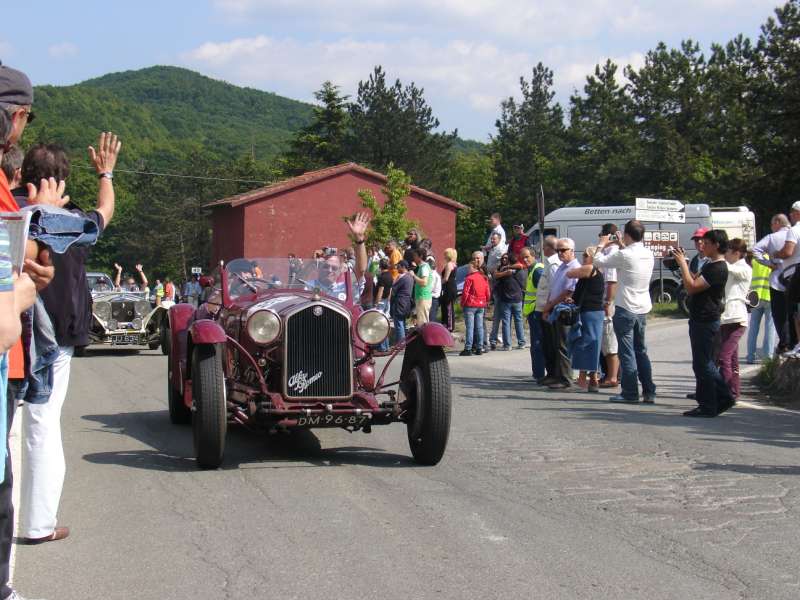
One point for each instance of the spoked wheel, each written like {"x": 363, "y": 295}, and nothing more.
{"x": 165, "y": 339}
{"x": 426, "y": 386}
{"x": 210, "y": 414}
{"x": 179, "y": 414}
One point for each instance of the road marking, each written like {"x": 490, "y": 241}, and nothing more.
{"x": 15, "y": 447}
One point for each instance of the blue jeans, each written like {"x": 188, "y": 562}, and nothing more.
{"x": 513, "y": 309}
{"x": 762, "y": 311}
{"x": 712, "y": 391}
{"x": 633, "y": 360}
{"x": 537, "y": 351}
{"x": 496, "y": 319}
{"x": 473, "y": 319}
{"x": 399, "y": 329}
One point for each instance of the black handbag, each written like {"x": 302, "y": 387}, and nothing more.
{"x": 569, "y": 316}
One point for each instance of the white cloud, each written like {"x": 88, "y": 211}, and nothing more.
{"x": 63, "y": 50}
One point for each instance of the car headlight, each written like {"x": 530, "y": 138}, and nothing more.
{"x": 112, "y": 325}
{"x": 142, "y": 307}
{"x": 136, "y": 323}
{"x": 263, "y": 326}
{"x": 372, "y": 327}
{"x": 103, "y": 310}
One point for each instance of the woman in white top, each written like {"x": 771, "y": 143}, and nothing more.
{"x": 734, "y": 318}
{"x": 436, "y": 290}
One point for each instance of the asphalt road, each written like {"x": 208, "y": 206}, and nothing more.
{"x": 540, "y": 495}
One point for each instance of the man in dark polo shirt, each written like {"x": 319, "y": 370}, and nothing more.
{"x": 67, "y": 303}
{"x": 706, "y": 304}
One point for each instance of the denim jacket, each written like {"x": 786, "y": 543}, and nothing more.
{"x": 59, "y": 229}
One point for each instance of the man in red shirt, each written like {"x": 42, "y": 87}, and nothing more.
{"x": 518, "y": 241}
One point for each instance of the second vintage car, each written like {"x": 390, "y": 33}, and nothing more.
{"x": 282, "y": 344}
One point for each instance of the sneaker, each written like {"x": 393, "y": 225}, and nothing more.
{"x": 477, "y": 352}
{"x": 559, "y": 385}
{"x": 521, "y": 346}
{"x": 726, "y": 406}
{"x": 492, "y": 346}
{"x": 465, "y": 352}
{"x": 699, "y": 412}
{"x": 505, "y": 348}
{"x": 548, "y": 381}
{"x": 649, "y": 398}
{"x": 618, "y": 399}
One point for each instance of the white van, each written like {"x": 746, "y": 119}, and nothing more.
{"x": 583, "y": 224}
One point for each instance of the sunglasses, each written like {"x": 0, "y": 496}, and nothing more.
{"x": 560, "y": 250}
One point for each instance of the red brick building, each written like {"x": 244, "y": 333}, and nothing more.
{"x": 302, "y": 214}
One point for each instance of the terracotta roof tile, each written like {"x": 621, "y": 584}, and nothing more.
{"x": 313, "y": 176}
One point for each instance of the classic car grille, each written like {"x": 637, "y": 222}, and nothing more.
{"x": 318, "y": 363}
{"x": 123, "y": 311}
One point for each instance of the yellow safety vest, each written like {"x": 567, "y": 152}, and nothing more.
{"x": 760, "y": 282}
{"x": 529, "y": 300}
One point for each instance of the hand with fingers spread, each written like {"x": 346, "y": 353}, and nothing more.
{"x": 104, "y": 158}
{"x": 139, "y": 268}
{"x": 359, "y": 225}
{"x": 50, "y": 192}
{"x": 118, "y": 267}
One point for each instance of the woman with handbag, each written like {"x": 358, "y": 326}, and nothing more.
{"x": 588, "y": 297}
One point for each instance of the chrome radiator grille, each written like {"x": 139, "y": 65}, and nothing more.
{"x": 123, "y": 311}
{"x": 318, "y": 355}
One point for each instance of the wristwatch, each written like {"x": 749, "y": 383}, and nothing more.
{"x": 106, "y": 174}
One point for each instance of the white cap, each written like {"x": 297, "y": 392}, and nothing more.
{"x": 796, "y": 206}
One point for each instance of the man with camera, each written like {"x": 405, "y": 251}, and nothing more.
{"x": 609, "y": 346}
{"x": 634, "y": 265}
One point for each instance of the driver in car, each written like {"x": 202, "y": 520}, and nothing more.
{"x": 330, "y": 275}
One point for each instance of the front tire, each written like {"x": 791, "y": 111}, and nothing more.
{"x": 179, "y": 413}
{"x": 426, "y": 386}
{"x": 165, "y": 339}
{"x": 210, "y": 414}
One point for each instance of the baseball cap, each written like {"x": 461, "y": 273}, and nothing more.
{"x": 520, "y": 225}
{"x": 699, "y": 233}
{"x": 796, "y": 206}
{"x": 15, "y": 87}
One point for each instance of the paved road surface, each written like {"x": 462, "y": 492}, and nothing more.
{"x": 541, "y": 495}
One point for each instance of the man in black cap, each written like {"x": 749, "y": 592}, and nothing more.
{"x": 16, "y": 98}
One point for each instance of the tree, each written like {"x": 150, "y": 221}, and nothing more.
{"x": 320, "y": 144}
{"x": 602, "y": 138}
{"x": 389, "y": 220}
{"x": 394, "y": 124}
{"x": 528, "y": 148}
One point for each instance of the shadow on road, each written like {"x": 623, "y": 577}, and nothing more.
{"x": 171, "y": 447}
{"x": 748, "y": 425}
{"x": 749, "y": 469}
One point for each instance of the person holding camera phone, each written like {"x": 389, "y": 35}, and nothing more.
{"x": 609, "y": 347}
{"x": 706, "y": 305}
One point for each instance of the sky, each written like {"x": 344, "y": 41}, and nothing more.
{"x": 468, "y": 55}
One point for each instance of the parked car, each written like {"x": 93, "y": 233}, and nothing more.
{"x": 272, "y": 350}
{"x": 123, "y": 318}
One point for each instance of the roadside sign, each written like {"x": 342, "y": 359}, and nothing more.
{"x": 197, "y": 270}
{"x": 658, "y": 204}
{"x": 659, "y": 210}
{"x": 660, "y": 242}
{"x": 663, "y": 216}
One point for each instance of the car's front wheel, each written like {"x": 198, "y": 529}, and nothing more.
{"x": 209, "y": 414}
{"x": 165, "y": 339}
{"x": 426, "y": 386}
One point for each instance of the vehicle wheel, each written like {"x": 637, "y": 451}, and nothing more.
{"x": 154, "y": 344}
{"x": 179, "y": 414}
{"x": 210, "y": 414}
{"x": 165, "y": 339}
{"x": 426, "y": 386}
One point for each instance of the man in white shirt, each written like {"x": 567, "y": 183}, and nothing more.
{"x": 791, "y": 255}
{"x": 766, "y": 252}
{"x": 551, "y": 263}
{"x": 494, "y": 222}
{"x": 634, "y": 264}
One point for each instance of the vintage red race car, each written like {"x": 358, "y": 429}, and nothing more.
{"x": 282, "y": 344}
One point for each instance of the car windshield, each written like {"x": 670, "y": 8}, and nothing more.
{"x": 99, "y": 282}
{"x": 328, "y": 276}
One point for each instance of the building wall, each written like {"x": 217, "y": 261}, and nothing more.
{"x": 228, "y": 227}
{"x": 306, "y": 218}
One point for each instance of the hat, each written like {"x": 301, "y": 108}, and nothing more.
{"x": 699, "y": 233}
{"x": 520, "y": 225}
{"x": 796, "y": 206}
{"x": 15, "y": 87}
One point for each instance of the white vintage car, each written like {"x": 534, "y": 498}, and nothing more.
{"x": 124, "y": 318}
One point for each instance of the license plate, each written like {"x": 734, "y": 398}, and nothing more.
{"x": 124, "y": 340}
{"x": 332, "y": 421}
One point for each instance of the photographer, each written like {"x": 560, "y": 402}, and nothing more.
{"x": 634, "y": 264}
{"x": 609, "y": 347}
{"x": 511, "y": 277}
{"x": 706, "y": 304}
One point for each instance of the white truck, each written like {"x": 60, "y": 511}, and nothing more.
{"x": 583, "y": 224}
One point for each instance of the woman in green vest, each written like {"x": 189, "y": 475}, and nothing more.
{"x": 760, "y": 285}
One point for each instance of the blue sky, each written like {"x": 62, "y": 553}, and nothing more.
{"x": 467, "y": 54}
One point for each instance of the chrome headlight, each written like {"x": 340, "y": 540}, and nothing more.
{"x": 112, "y": 325}
{"x": 372, "y": 327}
{"x": 263, "y": 326}
{"x": 142, "y": 307}
{"x": 136, "y": 323}
{"x": 103, "y": 310}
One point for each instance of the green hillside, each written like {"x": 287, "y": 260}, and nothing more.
{"x": 162, "y": 111}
